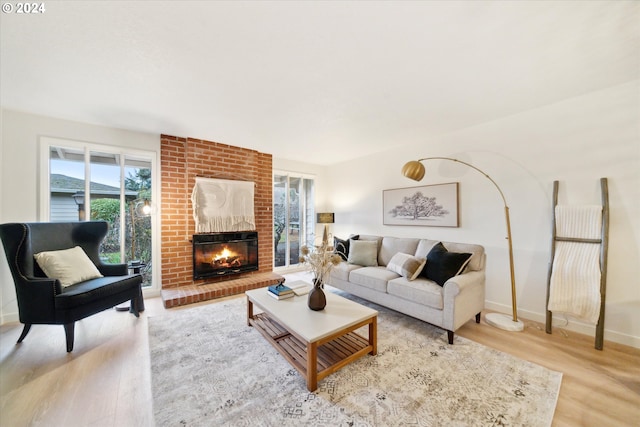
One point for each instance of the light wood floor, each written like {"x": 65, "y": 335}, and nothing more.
{"x": 106, "y": 380}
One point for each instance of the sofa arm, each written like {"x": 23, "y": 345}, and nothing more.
{"x": 462, "y": 282}
{"x": 463, "y": 298}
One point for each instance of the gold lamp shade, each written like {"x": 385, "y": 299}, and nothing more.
{"x": 413, "y": 170}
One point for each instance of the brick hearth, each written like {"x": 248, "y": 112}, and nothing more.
{"x": 190, "y": 294}
{"x": 182, "y": 160}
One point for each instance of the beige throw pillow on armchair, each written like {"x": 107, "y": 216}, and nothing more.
{"x": 69, "y": 266}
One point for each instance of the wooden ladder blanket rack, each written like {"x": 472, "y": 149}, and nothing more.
{"x": 602, "y": 241}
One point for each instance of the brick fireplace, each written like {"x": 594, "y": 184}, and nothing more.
{"x": 182, "y": 160}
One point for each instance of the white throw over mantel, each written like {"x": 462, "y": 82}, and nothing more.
{"x": 221, "y": 205}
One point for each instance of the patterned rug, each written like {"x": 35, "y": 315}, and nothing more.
{"x": 209, "y": 368}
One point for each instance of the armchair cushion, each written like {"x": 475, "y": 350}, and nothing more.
{"x": 99, "y": 289}
{"x": 69, "y": 266}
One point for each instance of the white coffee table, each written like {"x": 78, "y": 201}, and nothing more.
{"x": 316, "y": 343}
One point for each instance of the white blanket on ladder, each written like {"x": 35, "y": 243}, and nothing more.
{"x": 575, "y": 278}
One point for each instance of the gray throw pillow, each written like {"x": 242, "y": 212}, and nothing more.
{"x": 363, "y": 252}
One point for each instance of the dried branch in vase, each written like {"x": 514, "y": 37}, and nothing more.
{"x": 320, "y": 259}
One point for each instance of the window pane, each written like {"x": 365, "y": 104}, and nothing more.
{"x": 66, "y": 179}
{"x": 138, "y": 187}
{"x": 105, "y": 201}
{"x": 309, "y": 211}
{"x": 295, "y": 217}
{"x": 279, "y": 220}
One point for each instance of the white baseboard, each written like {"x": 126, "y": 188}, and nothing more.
{"x": 572, "y": 325}
{"x": 9, "y": 318}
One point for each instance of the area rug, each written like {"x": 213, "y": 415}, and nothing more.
{"x": 209, "y": 368}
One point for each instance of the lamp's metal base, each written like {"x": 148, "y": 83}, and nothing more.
{"x": 503, "y": 321}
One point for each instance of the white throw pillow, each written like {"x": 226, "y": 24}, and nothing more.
{"x": 406, "y": 265}
{"x": 363, "y": 252}
{"x": 69, "y": 266}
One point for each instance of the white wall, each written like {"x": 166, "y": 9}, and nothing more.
{"x": 576, "y": 141}
{"x": 19, "y": 176}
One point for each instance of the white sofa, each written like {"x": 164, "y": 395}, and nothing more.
{"x": 449, "y": 306}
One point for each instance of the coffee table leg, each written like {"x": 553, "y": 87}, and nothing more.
{"x": 373, "y": 336}
{"x": 312, "y": 366}
{"x": 249, "y": 311}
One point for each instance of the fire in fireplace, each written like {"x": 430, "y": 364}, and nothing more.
{"x": 221, "y": 254}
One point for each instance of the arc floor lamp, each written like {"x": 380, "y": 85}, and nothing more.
{"x": 415, "y": 170}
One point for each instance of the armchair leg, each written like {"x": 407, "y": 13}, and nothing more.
{"x": 478, "y": 318}
{"x": 134, "y": 307}
{"x": 450, "y": 336}
{"x": 69, "y": 333}
{"x": 25, "y": 331}
{"x": 141, "y": 302}
{"x": 137, "y": 304}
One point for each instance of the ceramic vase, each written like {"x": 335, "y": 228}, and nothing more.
{"x": 317, "y": 300}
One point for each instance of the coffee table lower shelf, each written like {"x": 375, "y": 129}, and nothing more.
{"x": 326, "y": 356}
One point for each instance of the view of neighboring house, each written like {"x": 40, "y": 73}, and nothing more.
{"x": 64, "y": 207}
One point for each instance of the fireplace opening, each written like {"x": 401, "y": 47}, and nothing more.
{"x": 221, "y": 254}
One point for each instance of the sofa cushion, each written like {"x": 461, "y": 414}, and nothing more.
{"x": 342, "y": 270}
{"x": 363, "y": 253}
{"x": 69, "y": 266}
{"x": 371, "y": 238}
{"x": 392, "y": 245}
{"x": 421, "y": 291}
{"x": 476, "y": 263}
{"x": 424, "y": 247}
{"x": 442, "y": 264}
{"x": 406, "y": 265}
{"x": 341, "y": 247}
{"x": 375, "y": 278}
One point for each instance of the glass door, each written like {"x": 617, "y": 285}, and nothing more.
{"x": 292, "y": 217}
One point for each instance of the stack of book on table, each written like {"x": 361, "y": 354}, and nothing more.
{"x": 280, "y": 291}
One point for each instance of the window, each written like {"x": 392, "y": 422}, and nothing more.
{"x": 293, "y": 217}
{"x": 94, "y": 182}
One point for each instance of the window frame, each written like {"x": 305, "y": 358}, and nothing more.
{"x": 44, "y": 190}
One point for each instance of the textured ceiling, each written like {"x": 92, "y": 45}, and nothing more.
{"x": 320, "y": 82}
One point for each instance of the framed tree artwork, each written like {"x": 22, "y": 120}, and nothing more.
{"x": 429, "y": 205}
